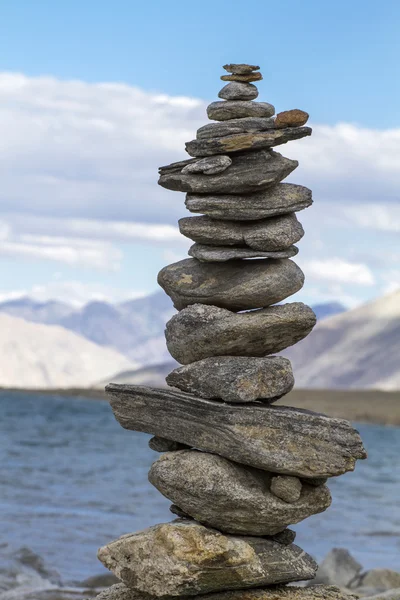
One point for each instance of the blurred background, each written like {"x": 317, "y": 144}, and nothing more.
{"x": 94, "y": 97}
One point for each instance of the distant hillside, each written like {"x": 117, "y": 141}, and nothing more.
{"x": 328, "y": 309}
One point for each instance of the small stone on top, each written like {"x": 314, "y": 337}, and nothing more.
{"x": 240, "y": 68}
{"x": 245, "y": 78}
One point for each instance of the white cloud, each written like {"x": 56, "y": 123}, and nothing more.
{"x": 338, "y": 271}
{"x": 380, "y": 217}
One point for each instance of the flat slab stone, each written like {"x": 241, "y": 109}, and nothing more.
{"x": 291, "y": 118}
{"x": 209, "y": 166}
{"x": 249, "y": 172}
{"x": 234, "y": 126}
{"x": 205, "y": 253}
{"x": 201, "y": 331}
{"x": 280, "y": 199}
{"x": 245, "y": 141}
{"x": 246, "y": 78}
{"x": 278, "y": 439}
{"x": 273, "y": 234}
{"x": 232, "y": 285}
{"x": 240, "y": 68}
{"x": 237, "y": 109}
{"x": 235, "y": 378}
{"x": 238, "y": 91}
{"x": 185, "y": 558}
{"x": 230, "y": 497}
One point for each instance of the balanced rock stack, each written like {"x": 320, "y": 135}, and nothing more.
{"x": 237, "y": 468}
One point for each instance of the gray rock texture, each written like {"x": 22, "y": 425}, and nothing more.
{"x": 236, "y": 109}
{"x": 279, "y": 439}
{"x": 245, "y": 141}
{"x": 206, "y": 253}
{"x": 269, "y": 235}
{"x": 249, "y": 172}
{"x": 388, "y": 595}
{"x": 235, "y": 378}
{"x": 234, "y": 285}
{"x": 184, "y": 558}
{"x": 234, "y": 126}
{"x": 288, "y": 489}
{"x": 338, "y": 567}
{"x": 236, "y": 90}
{"x": 377, "y": 579}
{"x": 209, "y": 166}
{"x": 281, "y": 199}
{"x": 201, "y": 331}
{"x": 245, "y": 78}
{"x": 230, "y": 497}
{"x": 240, "y": 68}
{"x": 160, "y": 444}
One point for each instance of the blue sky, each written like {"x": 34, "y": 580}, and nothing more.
{"x": 79, "y": 160}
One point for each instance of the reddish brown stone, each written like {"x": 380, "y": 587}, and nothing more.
{"x": 291, "y": 118}
{"x": 245, "y": 78}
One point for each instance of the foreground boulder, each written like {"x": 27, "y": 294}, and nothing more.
{"x": 185, "y": 558}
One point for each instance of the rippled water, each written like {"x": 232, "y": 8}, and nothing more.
{"x": 72, "y": 479}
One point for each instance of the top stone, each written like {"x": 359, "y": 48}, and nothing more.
{"x": 236, "y": 90}
{"x": 240, "y": 68}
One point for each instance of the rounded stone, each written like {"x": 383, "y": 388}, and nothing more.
{"x": 236, "y": 90}
{"x": 291, "y": 118}
{"x": 286, "y": 488}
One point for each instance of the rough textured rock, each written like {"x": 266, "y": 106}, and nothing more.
{"x": 238, "y": 91}
{"x": 160, "y": 444}
{"x": 261, "y": 283}
{"x": 291, "y": 118}
{"x": 288, "y": 489}
{"x": 230, "y": 497}
{"x": 236, "y": 109}
{"x": 279, "y": 439}
{"x": 209, "y": 166}
{"x": 285, "y": 537}
{"x": 249, "y": 172}
{"x": 338, "y": 567}
{"x": 235, "y": 378}
{"x": 205, "y": 253}
{"x": 389, "y": 595}
{"x": 281, "y": 199}
{"x": 279, "y": 592}
{"x": 234, "y": 126}
{"x": 245, "y": 141}
{"x": 201, "y": 331}
{"x": 240, "y": 68}
{"x": 317, "y": 481}
{"x": 248, "y": 78}
{"x": 377, "y": 579}
{"x": 273, "y": 234}
{"x": 183, "y": 557}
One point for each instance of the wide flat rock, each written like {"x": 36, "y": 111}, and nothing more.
{"x": 234, "y": 285}
{"x": 235, "y": 378}
{"x": 279, "y": 439}
{"x": 280, "y": 199}
{"x": 236, "y": 90}
{"x": 237, "y": 109}
{"x": 234, "y": 126}
{"x": 206, "y": 253}
{"x": 230, "y": 497}
{"x": 249, "y": 172}
{"x": 273, "y": 234}
{"x": 246, "y": 78}
{"x": 245, "y": 141}
{"x": 185, "y": 558}
{"x": 201, "y": 331}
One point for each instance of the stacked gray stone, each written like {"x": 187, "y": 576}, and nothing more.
{"x": 238, "y": 469}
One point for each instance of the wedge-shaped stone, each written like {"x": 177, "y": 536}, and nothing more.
{"x": 249, "y": 172}
{"x": 205, "y": 253}
{"x": 235, "y": 378}
{"x": 234, "y": 285}
{"x": 276, "y": 233}
{"x": 279, "y": 439}
{"x": 281, "y": 199}
{"x": 237, "y": 90}
{"x": 245, "y": 141}
{"x": 230, "y": 497}
{"x": 318, "y": 592}
{"x": 185, "y": 558}
{"x": 201, "y": 331}
{"x": 234, "y": 126}
{"x": 237, "y": 109}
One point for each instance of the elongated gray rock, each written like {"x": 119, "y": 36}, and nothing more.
{"x": 245, "y": 78}
{"x": 201, "y": 331}
{"x": 230, "y": 497}
{"x": 237, "y": 90}
{"x": 233, "y": 126}
{"x": 281, "y": 199}
{"x": 240, "y": 68}
{"x": 209, "y": 166}
{"x": 279, "y": 439}
{"x": 205, "y": 253}
{"x": 236, "y": 109}
{"x": 249, "y": 172}
{"x": 183, "y": 557}
{"x": 273, "y": 234}
{"x": 232, "y": 285}
{"x": 245, "y": 141}
{"x": 235, "y": 378}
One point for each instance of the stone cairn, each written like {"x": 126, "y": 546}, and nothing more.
{"x": 237, "y": 468}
